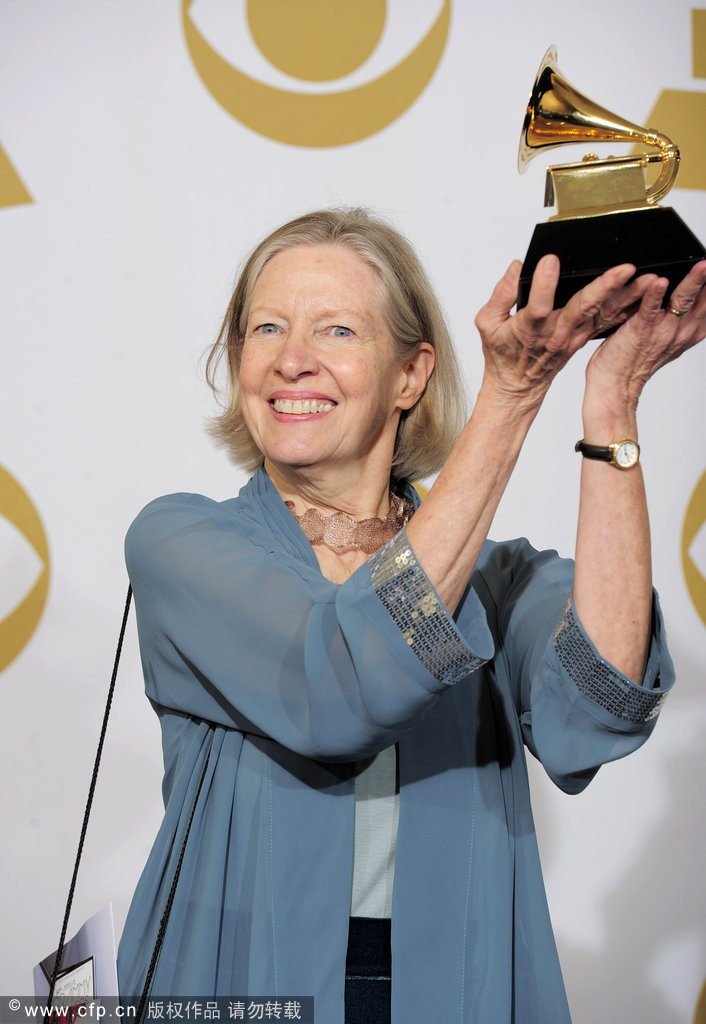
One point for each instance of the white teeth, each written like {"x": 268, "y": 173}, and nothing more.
{"x": 301, "y": 406}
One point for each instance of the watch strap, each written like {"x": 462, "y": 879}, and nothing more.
{"x": 594, "y": 451}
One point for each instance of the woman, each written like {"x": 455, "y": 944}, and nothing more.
{"x": 313, "y": 643}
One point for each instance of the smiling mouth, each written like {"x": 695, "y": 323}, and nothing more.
{"x": 300, "y": 406}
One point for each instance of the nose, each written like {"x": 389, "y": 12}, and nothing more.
{"x": 296, "y": 356}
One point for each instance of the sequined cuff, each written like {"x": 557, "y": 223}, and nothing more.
{"x": 402, "y": 586}
{"x": 596, "y": 679}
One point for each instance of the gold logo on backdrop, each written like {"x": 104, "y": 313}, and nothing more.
{"x": 700, "y": 1013}
{"x": 16, "y": 629}
{"x": 317, "y": 41}
{"x": 682, "y": 114}
{"x": 693, "y": 548}
{"x": 12, "y": 191}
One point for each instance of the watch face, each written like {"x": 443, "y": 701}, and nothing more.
{"x": 626, "y": 454}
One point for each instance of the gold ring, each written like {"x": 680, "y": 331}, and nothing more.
{"x": 678, "y": 312}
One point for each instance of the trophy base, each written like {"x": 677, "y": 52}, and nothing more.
{"x": 656, "y": 241}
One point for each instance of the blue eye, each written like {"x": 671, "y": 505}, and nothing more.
{"x": 268, "y": 328}
{"x": 342, "y": 332}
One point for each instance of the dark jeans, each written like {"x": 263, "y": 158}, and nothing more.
{"x": 368, "y": 971}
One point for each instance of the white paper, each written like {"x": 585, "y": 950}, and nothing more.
{"x": 88, "y": 968}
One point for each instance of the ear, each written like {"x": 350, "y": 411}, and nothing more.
{"x": 415, "y": 375}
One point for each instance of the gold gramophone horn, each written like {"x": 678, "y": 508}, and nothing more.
{"x": 558, "y": 114}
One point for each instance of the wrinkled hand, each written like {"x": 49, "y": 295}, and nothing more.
{"x": 525, "y": 351}
{"x": 651, "y": 337}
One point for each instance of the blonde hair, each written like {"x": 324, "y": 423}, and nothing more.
{"x": 428, "y": 430}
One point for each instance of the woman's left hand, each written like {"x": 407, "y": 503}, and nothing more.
{"x": 613, "y": 596}
{"x": 651, "y": 337}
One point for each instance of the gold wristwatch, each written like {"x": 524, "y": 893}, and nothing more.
{"x": 624, "y": 454}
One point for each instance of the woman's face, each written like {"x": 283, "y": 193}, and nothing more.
{"x": 320, "y": 383}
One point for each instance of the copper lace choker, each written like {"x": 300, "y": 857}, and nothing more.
{"x": 342, "y": 532}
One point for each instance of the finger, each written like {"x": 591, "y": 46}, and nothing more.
{"x": 540, "y": 302}
{"x": 503, "y": 298}
{"x": 688, "y": 292}
{"x": 582, "y": 317}
{"x": 651, "y": 337}
{"x": 651, "y": 306}
{"x": 603, "y": 289}
{"x": 620, "y": 305}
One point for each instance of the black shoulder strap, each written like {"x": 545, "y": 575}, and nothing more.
{"x": 170, "y": 899}
{"x": 89, "y": 802}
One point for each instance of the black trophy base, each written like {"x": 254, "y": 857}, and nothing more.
{"x": 656, "y": 241}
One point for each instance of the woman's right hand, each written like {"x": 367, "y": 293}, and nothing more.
{"x": 523, "y": 354}
{"x": 524, "y": 351}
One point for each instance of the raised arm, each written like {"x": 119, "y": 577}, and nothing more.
{"x": 612, "y": 584}
{"x": 523, "y": 353}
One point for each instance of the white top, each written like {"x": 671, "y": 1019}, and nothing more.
{"x": 377, "y": 808}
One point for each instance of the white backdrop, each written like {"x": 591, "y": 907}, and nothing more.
{"x": 146, "y": 195}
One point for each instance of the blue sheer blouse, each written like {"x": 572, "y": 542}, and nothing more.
{"x": 283, "y": 680}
